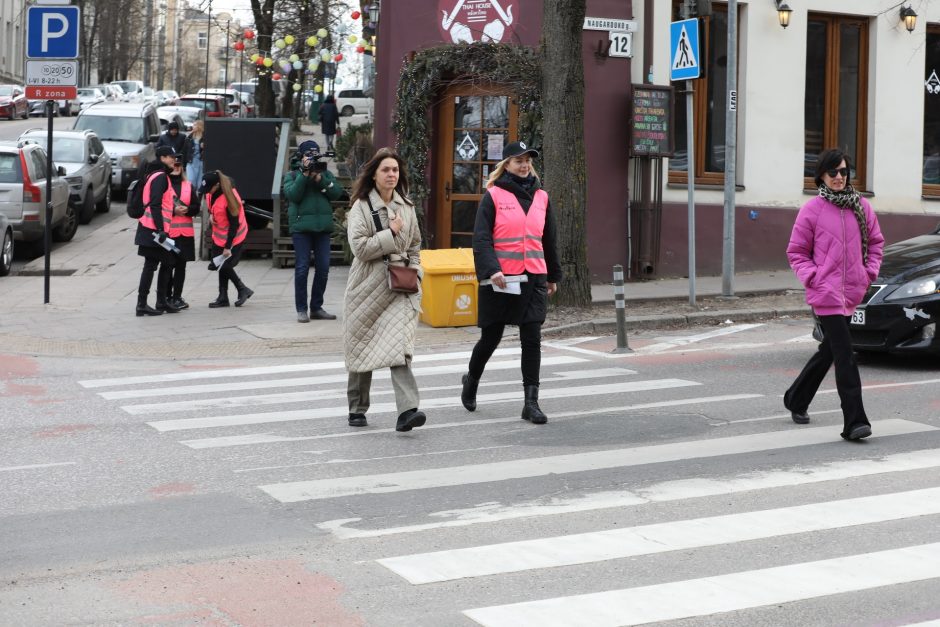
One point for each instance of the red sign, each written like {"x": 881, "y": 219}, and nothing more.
{"x": 51, "y": 92}
{"x": 467, "y": 21}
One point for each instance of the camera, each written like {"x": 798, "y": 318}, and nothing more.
{"x": 314, "y": 164}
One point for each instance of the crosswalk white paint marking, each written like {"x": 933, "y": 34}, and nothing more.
{"x": 598, "y": 546}
{"x": 296, "y": 491}
{"x": 222, "y": 373}
{"x": 337, "y": 379}
{"x": 432, "y": 403}
{"x": 666, "y": 343}
{"x": 283, "y": 398}
{"x": 267, "y": 438}
{"x": 882, "y": 386}
{"x": 35, "y": 466}
{"x": 774, "y": 417}
{"x": 657, "y": 493}
{"x": 372, "y": 459}
{"x": 721, "y": 593}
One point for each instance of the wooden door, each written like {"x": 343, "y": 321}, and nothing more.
{"x": 474, "y": 123}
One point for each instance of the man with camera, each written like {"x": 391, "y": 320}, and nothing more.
{"x": 309, "y": 188}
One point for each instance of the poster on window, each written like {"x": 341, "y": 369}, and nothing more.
{"x": 494, "y": 147}
{"x": 486, "y": 21}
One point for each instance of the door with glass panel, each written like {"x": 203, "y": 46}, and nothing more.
{"x": 474, "y": 122}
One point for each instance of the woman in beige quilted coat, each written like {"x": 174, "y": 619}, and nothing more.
{"x": 378, "y": 324}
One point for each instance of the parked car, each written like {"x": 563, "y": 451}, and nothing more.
{"x": 900, "y": 311}
{"x": 38, "y": 107}
{"x": 88, "y": 96}
{"x": 170, "y": 116}
{"x": 188, "y": 115}
{"x": 13, "y": 103}
{"x": 214, "y": 106}
{"x": 149, "y": 95}
{"x": 233, "y": 100}
{"x": 133, "y": 90}
{"x": 352, "y": 101}
{"x": 112, "y": 93}
{"x": 6, "y": 245}
{"x": 69, "y": 107}
{"x": 128, "y": 131}
{"x": 87, "y": 168}
{"x": 23, "y": 177}
{"x": 167, "y": 98}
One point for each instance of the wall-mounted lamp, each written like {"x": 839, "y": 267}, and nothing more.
{"x": 783, "y": 12}
{"x": 909, "y": 18}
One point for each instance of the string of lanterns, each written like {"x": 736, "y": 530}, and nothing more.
{"x": 280, "y": 66}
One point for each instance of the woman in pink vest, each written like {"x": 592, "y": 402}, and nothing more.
{"x": 514, "y": 252}
{"x": 229, "y": 229}
{"x": 152, "y": 229}
{"x": 186, "y": 206}
{"x": 835, "y": 250}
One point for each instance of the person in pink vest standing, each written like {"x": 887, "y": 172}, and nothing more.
{"x": 229, "y": 229}
{"x": 514, "y": 251}
{"x": 186, "y": 206}
{"x": 152, "y": 230}
{"x": 835, "y": 250}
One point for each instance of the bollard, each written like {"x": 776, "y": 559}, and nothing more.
{"x": 622, "y": 346}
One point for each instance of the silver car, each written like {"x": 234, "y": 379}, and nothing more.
{"x": 6, "y": 245}
{"x": 87, "y": 168}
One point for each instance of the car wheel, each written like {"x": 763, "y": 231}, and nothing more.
{"x": 6, "y": 253}
{"x": 88, "y": 207}
{"x": 66, "y": 230}
{"x": 348, "y": 110}
{"x": 104, "y": 205}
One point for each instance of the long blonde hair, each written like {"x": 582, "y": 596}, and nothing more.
{"x": 234, "y": 207}
{"x": 197, "y": 129}
{"x": 500, "y": 168}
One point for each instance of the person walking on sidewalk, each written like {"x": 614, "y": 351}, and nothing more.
{"x": 379, "y": 325}
{"x": 514, "y": 238}
{"x": 329, "y": 120}
{"x": 229, "y": 229}
{"x": 195, "y": 147}
{"x": 835, "y": 250}
{"x": 309, "y": 189}
{"x": 181, "y": 231}
{"x": 158, "y": 198}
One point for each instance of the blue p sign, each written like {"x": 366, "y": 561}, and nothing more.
{"x": 52, "y": 32}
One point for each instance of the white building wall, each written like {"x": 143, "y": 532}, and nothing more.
{"x": 12, "y": 34}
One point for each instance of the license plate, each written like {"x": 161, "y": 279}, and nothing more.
{"x": 858, "y": 317}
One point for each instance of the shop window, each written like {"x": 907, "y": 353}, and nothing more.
{"x": 931, "y": 177}
{"x": 836, "y": 89}
{"x": 710, "y": 101}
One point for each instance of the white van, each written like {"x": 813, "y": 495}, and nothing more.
{"x": 353, "y": 101}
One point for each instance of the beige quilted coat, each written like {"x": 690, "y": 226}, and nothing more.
{"x": 379, "y": 325}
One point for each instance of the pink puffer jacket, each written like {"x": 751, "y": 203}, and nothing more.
{"x": 825, "y": 252}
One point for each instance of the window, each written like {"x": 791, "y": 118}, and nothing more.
{"x": 202, "y": 40}
{"x": 710, "y": 104}
{"x": 836, "y": 87}
{"x": 931, "y": 177}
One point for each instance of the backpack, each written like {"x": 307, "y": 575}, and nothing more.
{"x": 135, "y": 199}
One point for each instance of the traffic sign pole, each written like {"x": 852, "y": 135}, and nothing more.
{"x": 47, "y": 232}
{"x": 690, "y": 147}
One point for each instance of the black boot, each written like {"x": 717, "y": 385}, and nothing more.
{"x": 468, "y": 396}
{"x": 531, "y": 410}
{"x": 166, "y": 306}
{"x": 358, "y": 420}
{"x": 221, "y": 301}
{"x": 244, "y": 294}
{"x": 410, "y": 419}
{"x": 143, "y": 309}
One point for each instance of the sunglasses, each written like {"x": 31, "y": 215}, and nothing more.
{"x": 837, "y": 171}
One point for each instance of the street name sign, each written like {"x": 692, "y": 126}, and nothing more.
{"x": 609, "y": 23}
{"x": 684, "y": 50}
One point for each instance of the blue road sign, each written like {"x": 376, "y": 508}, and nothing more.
{"x": 52, "y": 32}
{"x": 684, "y": 50}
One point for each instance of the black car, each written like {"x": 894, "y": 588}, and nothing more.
{"x": 900, "y": 310}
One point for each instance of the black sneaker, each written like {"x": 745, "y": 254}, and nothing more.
{"x": 410, "y": 419}
{"x": 321, "y": 314}
{"x": 358, "y": 420}
{"x": 858, "y": 433}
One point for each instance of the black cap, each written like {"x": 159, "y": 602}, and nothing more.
{"x": 173, "y": 125}
{"x": 308, "y": 146}
{"x": 165, "y": 151}
{"x": 517, "y": 149}
{"x": 209, "y": 180}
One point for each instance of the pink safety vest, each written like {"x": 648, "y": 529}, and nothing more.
{"x": 517, "y": 235}
{"x": 182, "y": 226}
{"x": 166, "y": 204}
{"x": 218, "y": 207}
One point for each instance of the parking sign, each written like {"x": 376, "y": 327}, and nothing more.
{"x": 52, "y": 32}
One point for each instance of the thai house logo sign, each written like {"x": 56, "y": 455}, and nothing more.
{"x": 467, "y": 21}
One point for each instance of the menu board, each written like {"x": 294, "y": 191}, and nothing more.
{"x": 651, "y": 129}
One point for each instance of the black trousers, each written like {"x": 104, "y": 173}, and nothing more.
{"x": 227, "y": 271}
{"x": 151, "y": 264}
{"x": 179, "y": 278}
{"x": 836, "y": 347}
{"x": 530, "y": 335}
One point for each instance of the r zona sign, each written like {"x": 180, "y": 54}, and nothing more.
{"x": 51, "y": 92}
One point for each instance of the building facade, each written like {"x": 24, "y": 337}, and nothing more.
{"x": 12, "y": 40}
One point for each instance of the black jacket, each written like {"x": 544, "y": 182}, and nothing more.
{"x": 144, "y": 236}
{"x": 329, "y": 118}
{"x": 531, "y": 305}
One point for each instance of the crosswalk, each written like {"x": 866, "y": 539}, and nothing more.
{"x": 489, "y": 470}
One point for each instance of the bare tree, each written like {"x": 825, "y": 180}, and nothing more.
{"x": 263, "y": 11}
{"x": 565, "y": 173}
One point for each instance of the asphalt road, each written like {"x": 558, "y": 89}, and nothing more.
{"x": 669, "y": 486}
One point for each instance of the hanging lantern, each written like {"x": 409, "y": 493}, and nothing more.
{"x": 296, "y": 86}
{"x": 289, "y": 39}
{"x": 298, "y": 64}
{"x": 338, "y": 81}
{"x": 312, "y": 41}
{"x": 312, "y": 65}
{"x": 259, "y": 61}
{"x": 293, "y": 58}
{"x": 254, "y": 57}
{"x": 355, "y": 15}
{"x": 325, "y": 56}
{"x": 338, "y": 57}
{"x": 352, "y": 39}
{"x": 268, "y": 62}
{"x": 276, "y": 76}
{"x": 322, "y": 33}
{"x": 360, "y": 49}
{"x": 238, "y": 46}
{"x": 249, "y": 34}
{"x": 318, "y": 89}
{"x": 279, "y": 44}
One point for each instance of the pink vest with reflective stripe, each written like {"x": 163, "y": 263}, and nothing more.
{"x": 166, "y": 204}
{"x": 517, "y": 235}
{"x": 182, "y": 226}
{"x": 218, "y": 207}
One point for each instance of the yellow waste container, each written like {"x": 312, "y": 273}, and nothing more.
{"x": 449, "y": 288}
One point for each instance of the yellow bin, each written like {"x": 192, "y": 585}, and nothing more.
{"x": 449, "y": 288}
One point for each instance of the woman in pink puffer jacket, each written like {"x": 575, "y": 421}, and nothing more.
{"x": 835, "y": 250}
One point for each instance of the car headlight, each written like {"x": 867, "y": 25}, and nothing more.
{"x": 74, "y": 180}
{"x": 912, "y": 289}
{"x": 130, "y": 161}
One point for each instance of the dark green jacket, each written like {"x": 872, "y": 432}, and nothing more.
{"x": 309, "y": 209}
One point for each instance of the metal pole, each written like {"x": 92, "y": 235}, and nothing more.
{"x": 227, "y": 35}
{"x": 177, "y": 31}
{"x": 731, "y": 138}
{"x": 148, "y": 43}
{"x": 208, "y": 30}
{"x": 47, "y": 231}
{"x": 622, "y": 346}
{"x": 690, "y": 146}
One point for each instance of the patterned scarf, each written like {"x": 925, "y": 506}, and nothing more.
{"x": 848, "y": 198}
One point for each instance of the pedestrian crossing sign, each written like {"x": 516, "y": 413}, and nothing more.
{"x": 684, "y": 50}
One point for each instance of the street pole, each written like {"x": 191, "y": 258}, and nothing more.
{"x": 227, "y": 35}
{"x": 731, "y": 136}
{"x": 690, "y": 147}
{"x": 148, "y": 43}
{"x": 208, "y": 30}
{"x": 47, "y": 230}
